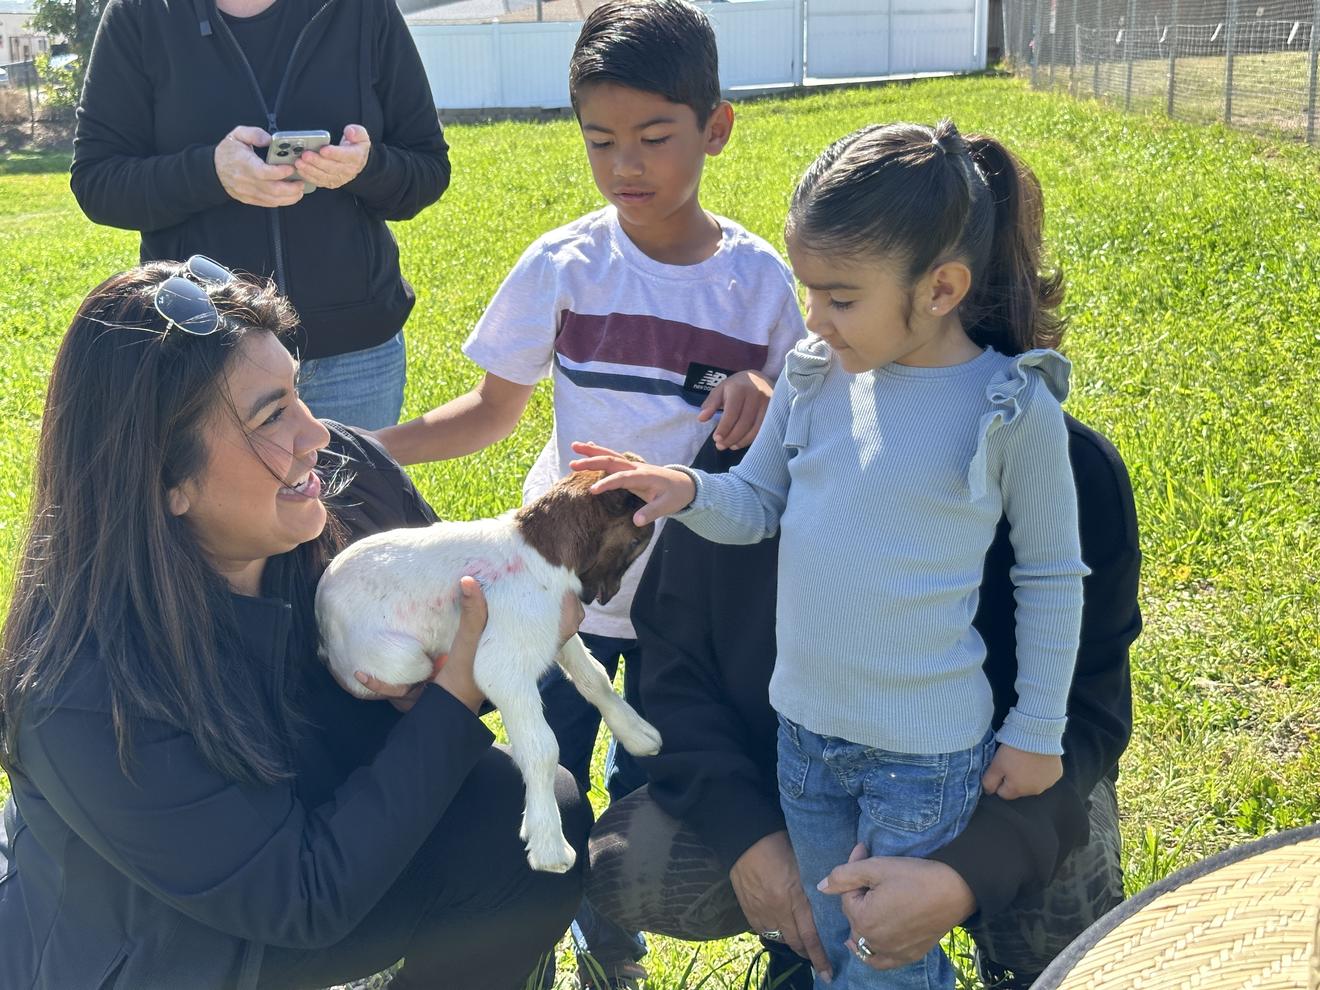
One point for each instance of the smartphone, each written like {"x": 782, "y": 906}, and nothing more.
{"x": 286, "y": 146}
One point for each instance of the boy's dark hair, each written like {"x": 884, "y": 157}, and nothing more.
{"x": 923, "y": 196}
{"x": 656, "y": 46}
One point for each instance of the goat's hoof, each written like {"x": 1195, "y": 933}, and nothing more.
{"x": 642, "y": 739}
{"x": 552, "y": 859}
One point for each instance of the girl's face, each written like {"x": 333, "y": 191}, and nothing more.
{"x": 257, "y": 496}
{"x": 866, "y": 312}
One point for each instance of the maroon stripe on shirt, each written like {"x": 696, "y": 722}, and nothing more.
{"x": 651, "y": 342}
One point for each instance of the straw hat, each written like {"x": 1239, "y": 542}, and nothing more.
{"x": 1248, "y": 917}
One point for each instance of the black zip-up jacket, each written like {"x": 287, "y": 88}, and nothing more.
{"x": 705, "y": 620}
{"x": 167, "y": 81}
{"x": 178, "y": 877}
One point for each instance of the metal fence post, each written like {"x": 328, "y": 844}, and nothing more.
{"x": 1054, "y": 45}
{"x": 1315, "y": 58}
{"x": 1127, "y": 52}
{"x": 1035, "y": 45}
{"x": 1099, "y": 33}
{"x": 1230, "y": 40}
{"x": 1173, "y": 58}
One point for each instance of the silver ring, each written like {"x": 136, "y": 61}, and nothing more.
{"x": 773, "y": 935}
{"x": 864, "y": 951}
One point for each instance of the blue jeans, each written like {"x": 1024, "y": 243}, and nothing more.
{"x": 575, "y": 723}
{"x": 836, "y": 794}
{"x": 361, "y": 388}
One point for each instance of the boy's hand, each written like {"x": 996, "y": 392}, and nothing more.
{"x": 743, "y": 397}
{"x": 664, "y": 490}
{"x": 1015, "y": 773}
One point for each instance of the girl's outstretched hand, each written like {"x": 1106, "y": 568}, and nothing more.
{"x": 664, "y": 490}
{"x": 1015, "y": 773}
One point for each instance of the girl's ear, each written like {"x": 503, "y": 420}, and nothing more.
{"x": 945, "y": 287}
{"x": 719, "y": 127}
{"x": 176, "y": 500}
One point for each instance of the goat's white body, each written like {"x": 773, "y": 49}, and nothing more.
{"x": 389, "y": 603}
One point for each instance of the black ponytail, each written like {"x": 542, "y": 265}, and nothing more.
{"x": 1012, "y": 299}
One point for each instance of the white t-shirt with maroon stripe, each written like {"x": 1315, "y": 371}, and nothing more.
{"x": 623, "y": 336}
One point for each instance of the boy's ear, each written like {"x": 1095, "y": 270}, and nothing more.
{"x": 718, "y": 127}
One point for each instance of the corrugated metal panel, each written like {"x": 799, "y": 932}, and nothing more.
{"x": 761, "y": 42}
{"x": 757, "y": 41}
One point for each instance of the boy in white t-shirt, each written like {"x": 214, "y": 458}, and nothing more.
{"x": 649, "y": 316}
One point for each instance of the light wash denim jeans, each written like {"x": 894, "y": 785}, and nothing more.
{"x": 836, "y": 794}
{"x": 360, "y": 388}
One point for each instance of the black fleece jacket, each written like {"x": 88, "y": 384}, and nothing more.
{"x": 704, "y": 616}
{"x": 178, "y": 877}
{"x": 167, "y": 81}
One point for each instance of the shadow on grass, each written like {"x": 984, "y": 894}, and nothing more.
{"x": 34, "y": 162}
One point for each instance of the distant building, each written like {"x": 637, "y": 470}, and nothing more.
{"x": 19, "y": 42}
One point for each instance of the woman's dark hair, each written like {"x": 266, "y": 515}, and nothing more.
{"x": 656, "y": 46}
{"x": 108, "y": 569}
{"x": 923, "y": 196}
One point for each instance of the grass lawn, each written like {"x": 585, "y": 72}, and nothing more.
{"x": 1193, "y": 259}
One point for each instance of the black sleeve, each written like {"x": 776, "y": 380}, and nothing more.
{"x": 686, "y": 627}
{"x": 115, "y": 177}
{"x": 1013, "y": 845}
{"x": 375, "y": 493}
{"x": 254, "y": 861}
{"x": 408, "y": 167}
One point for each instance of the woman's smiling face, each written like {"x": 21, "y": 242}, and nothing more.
{"x": 257, "y": 496}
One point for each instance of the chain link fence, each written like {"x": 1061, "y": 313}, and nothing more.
{"x": 1250, "y": 64}
{"x": 36, "y": 102}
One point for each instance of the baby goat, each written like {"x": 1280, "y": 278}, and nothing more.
{"x": 389, "y": 603}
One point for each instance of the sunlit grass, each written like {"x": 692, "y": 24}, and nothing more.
{"x": 1193, "y": 260}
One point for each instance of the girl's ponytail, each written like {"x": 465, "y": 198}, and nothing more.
{"x": 1013, "y": 306}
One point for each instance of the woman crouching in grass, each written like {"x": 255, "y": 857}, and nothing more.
{"x": 195, "y": 801}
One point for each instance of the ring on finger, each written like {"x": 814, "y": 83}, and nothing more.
{"x": 864, "y": 951}
{"x": 773, "y": 935}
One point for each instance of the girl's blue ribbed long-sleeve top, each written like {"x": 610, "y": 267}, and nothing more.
{"x": 888, "y": 486}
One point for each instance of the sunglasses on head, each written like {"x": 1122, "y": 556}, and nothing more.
{"x": 183, "y": 302}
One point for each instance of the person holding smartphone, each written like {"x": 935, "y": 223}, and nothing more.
{"x": 178, "y": 112}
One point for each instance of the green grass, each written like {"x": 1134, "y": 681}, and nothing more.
{"x": 1193, "y": 259}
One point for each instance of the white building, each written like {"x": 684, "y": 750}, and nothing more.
{"x": 18, "y": 41}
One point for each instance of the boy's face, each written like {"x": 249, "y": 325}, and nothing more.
{"x": 646, "y": 154}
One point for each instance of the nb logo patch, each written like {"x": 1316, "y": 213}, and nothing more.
{"x": 704, "y": 377}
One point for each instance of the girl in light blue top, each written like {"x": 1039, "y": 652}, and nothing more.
{"x": 923, "y": 410}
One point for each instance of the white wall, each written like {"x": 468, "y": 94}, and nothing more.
{"x": 488, "y": 66}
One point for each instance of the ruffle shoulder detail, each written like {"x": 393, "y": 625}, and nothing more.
{"x": 1010, "y": 393}
{"x": 805, "y": 367}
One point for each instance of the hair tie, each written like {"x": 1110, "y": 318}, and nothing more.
{"x": 950, "y": 142}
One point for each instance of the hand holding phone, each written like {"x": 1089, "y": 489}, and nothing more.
{"x": 248, "y": 179}
{"x": 286, "y": 147}
{"x": 335, "y": 165}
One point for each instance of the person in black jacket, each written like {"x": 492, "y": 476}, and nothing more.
{"x": 196, "y": 803}
{"x": 701, "y": 852}
{"x": 179, "y": 103}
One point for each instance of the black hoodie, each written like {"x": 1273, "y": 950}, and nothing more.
{"x": 167, "y": 81}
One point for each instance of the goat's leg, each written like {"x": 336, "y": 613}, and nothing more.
{"x": 633, "y": 732}
{"x": 536, "y": 753}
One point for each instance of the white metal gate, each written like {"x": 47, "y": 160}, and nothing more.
{"x": 856, "y": 38}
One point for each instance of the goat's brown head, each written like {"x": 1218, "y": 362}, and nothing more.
{"x": 591, "y": 535}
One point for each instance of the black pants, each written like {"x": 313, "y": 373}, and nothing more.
{"x": 467, "y": 911}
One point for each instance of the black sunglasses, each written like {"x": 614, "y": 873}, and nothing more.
{"x": 183, "y": 301}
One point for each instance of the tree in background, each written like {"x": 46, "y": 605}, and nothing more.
{"x": 76, "y": 21}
